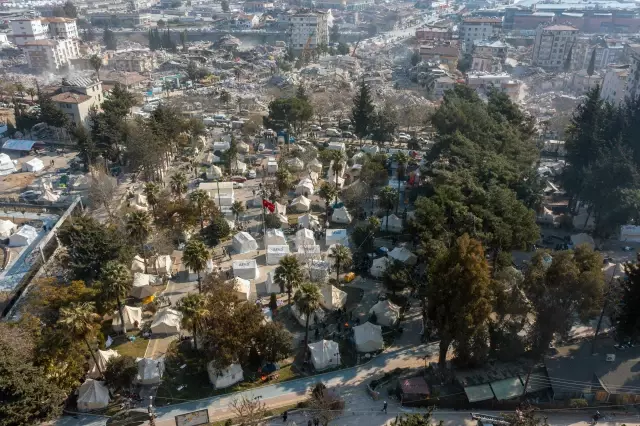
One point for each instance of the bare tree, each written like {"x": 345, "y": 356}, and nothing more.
{"x": 249, "y": 412}
{"x": 102, "y": 189}
{"x": 327, "y": 404}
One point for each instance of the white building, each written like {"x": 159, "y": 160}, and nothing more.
{"x": 308, "y": 29}
{"x": 479, "y": 28}
{"x": 615, "y": 84}
{"x": 78, "y": 96}
{"x": 27, "y": 29}
{"x": 62, "y": 27}
{"x": 552, "y": 45}
{"x": 52, "y": 55}
{"x": 501, "y": 82}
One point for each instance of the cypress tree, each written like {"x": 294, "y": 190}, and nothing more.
{"x": 362, "y": 111}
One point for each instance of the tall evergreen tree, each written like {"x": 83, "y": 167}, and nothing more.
{"x": 592, "y": 65}
{"x": 362, "y": 112}
{"x": 109, "y": 39}
{"x": 628, "y": 320}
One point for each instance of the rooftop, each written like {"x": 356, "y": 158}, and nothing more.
{"x": 440, "y": 50}
{"x": 50, "y": 43}
{"x": 80, "y": 82}
{"x": 482, "y": 20}
{"x": 58, "y": 20}
{"x": 70, "y": 98}
{"x": 560, "y": 28}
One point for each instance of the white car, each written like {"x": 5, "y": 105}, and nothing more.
{"x": 333, "y": 132}
{"x": 261, "y": 147}
{"x": 251, "y": 174}
{"x": 238, "y": 185}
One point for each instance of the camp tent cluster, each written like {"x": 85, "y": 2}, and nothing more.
{"x": 224, "y": 378}
{"x": 324, "y": 354}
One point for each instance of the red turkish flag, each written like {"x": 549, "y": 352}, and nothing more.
{"x": 269, "y": 205}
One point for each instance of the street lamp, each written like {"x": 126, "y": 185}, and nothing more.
{"x": 151, "y": 410}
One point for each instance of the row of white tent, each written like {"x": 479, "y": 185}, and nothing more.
{"x": 398, "y": 254}
{"x": 17, "y": 237}
{"x": 161, "y": 265}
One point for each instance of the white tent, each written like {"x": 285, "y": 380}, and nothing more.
{"x": 214, "y": 172}
{"x": 7, "y": 228}
{"x": 386, "y": 312}
{"x": 150, "y": 371}
{"x": 102, "y": 358}
{"x": 395, "y": 223}
{"x": 242, "y": 147}
{"x": 132, "y": 318}
{"x": 403, "y": 255}
{"x": 81, "y": 182}
{"x": 284, "y": 221}
{"x": 324, "y": 354}
{"x": 167, "y": 321}
{"x": 238, "y": 167}
{"x": 241, "y": 288}
{"x": 138, "y": 264}
{"x": 302, "y": 318}
{"x": 341, "y": 215}
{"x": 315, "y": 165}
{"x": 48, "y": 195}
{"x": 378, "y": 266}
{"x": 578, "y": 239}
{"x": 280, "y": 208}
{"x": 141, "y": 287}
{"x": 275, "y": 253}
{"x": 25, "y": 236}
{"x": 92, "y": 395}
{"x": 305, "y": 253}
{"x": 33, "y": 165}
{"x": 301, "y": 204}
{"x": 305, "y": 187}
{"x": 309, "y": 221}
{"x": 333, "y": 297}
{"x": 270, "y": 283}
{"x": 221, "y": 146}
{"x": 243, "y": 242}
{"x": 304, "y": 237}
{"x": 229, "y": 376}
{"x": 274, "y": 237}
{"x": 315, "y": 177}
{"x": 318, "y": 270}
{"x": 6, "y": 165}
{"x": 246, "y": 269}
{"x": 295, "y": 164}
{"x": 368, "y": 337}
{"x": 336, "y": 236}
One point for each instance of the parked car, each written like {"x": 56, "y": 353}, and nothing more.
{"x": 348, "y": 135}
{"x": 237, "y": 185}
{"x": 251, "y": 174}
{"x": 261, "y": 147}
{"x": 238, "y": 179}
{"x": 30, "y": 195}
{"x": 333, "y": 132}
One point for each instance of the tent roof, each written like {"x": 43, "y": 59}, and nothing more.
{"x": 28, "y": 232}
{"x": 507, "y": 388}
{"x": 301, "y": 200}
{"x": 305, "y": 233}
{"x": 131, "y": 314}
{"x": 167, "y": 316}
{"x": 240, "y": 285}
{"x": 402, "y": 254}
{"x": 6, "y": 227}
{"x": 245, "y": 264}
{"x": 35, "y": 162}
{"x": 273, "y": 233}
{"x": 92, "y": 391}
{"x": 278, "y": 249}
{"x": 243, "y": 237}
{"x": 18, "y": 145}
{"x": 479, "y": 392}
{"x": 140, "y": 279}
{"x": 336, "y": 233}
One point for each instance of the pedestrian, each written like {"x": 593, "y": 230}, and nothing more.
{"x": 284, "y": 416}
{"x": 384, "y": 407}
{"x": 309, "y": 423}
{"x": 316, "y": 422}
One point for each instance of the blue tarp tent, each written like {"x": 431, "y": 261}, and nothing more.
{"x": 18, "y": 145}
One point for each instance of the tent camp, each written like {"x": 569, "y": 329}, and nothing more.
{"x": 7, "y": 228}
{"x": 7, "y": 166}
{"x": 378, "y": 266}
{"x": 33, "y": 165}
{"x": 315, "y": 165}
{"x": 582, "y": 238}
{"x": 403, "y": 255}
{"x": 305, "y": 253}
{"x": 92, "y": 395}
{"x": 300, "y": 204}
{"x": 270, "y": 283}
{"x": 274, "y": 237}
{"x": 243, "y": 242}
{"x": 167, "y": 321}
{"x": 305, "y": 187}
{"x": 221, "y": 379}
{"x": 241, "y": 288}
{"x": 333, "y": 297}
{"x": 150, "y": 371}
{"x": 318, "y": 270}
{"x": 102, "y": 358}
{"x": 138, "y": 264}
{"x": 341, "y": 215}
{"x": 336, "y": 236}
{"x": 280, "y": 208}
{"x": 386, "y": 312}
{"x": 304, "y": 238}
{"x": 316, "y": 318}
{"x": 309, "y": 221}
{"x": 368, "y": 337}
{"x": 25, "y": 236}
{"x": 214, "y": 172}
{"x": 295, "y": 164}
{"x": 324, "y": 354}
{"x": 141, "y": 287}
{"x": 275, "y": 253}
{"x": 132, "y": 318}
{"x": 395, "y": 223}
{"x": 246, "y": 269}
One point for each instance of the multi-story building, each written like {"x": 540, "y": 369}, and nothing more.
{"x": 607, "y": 52}
{"x": 477, "y": 29}
{"x": 49, "y": 54}
{"x": 344, "y": 4}
{"x": 614, "y": 86}
{"x": 504, "y": 83}
{"x": 496, "y": 49}
{"x": 62, "y": 27}
{"x": 129, "y": 19}
{"x": 308, "y": 29}
{"x": 76, "y": 98}
{"x": 133, "y": 61}
{"x": 448, "y": 55}
{"x": 486, "y": 63}
{"x": 434, "y": 34}
{"x": 28, "y": 29}
{"x": 552, "y": 45}
{"x": 441, "y": 85}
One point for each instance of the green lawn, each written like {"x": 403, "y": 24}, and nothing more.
{"x": 135, "y": 349}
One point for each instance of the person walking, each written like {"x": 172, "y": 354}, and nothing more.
{"x": 384, "y": 407}
{"x": 309, "y": 423}
{"x": 284, "y": 416}
{"x": 316, "y": 422}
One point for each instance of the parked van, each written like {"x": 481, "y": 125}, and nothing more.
{"x": 333, "y": 132}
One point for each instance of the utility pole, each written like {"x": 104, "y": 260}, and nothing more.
{"x": 151, "y": 411}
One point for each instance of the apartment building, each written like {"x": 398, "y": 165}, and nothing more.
{"x": 434, "y": 34}
{"x": 479, "y": 28}
{"x": 448, "y": 55}
{"x": 308, "y": 27}
{"x": 552, "y": 45}
{"x": 62, "y": 27}
{"x": 134, "y": 61}
{"x": 50, "y": 54}
{"x": 607, "y": 52}
{"x": 502, "y": 82}
{"x": 76, "y": 98}
{"x": 28, "y": 29}
{"x": 614, "y": 86}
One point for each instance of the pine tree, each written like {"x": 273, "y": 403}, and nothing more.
{"x": 592, "y": 65}
{"x": 362, "y": 111}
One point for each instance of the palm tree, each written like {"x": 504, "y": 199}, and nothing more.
{"x": 178, "y": 184}
{"x": 19, "y": 88}
{"x": 338, "y": 164}
{"x": 79, "y": 319}
{"x": 236, "y": 208}
{"x": 151, "y": 191}
{"x": 31, "y": 91}
{"x": 194, "y": 309}
{"x": 341, "y": 255}
{"x": 402, "y": 159}
{"x": 195, "y": 257}
{"x": 202, "y": 202}
{"x": 138, "y": 229}
{"x": 388, "y": 198}
{"x": 307, "y": 300}
{"x": 288, "y": 275}
{"x": 328, "y": 192}
{"x": 116, "y": 284}
{"x": 95, "y": 62}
